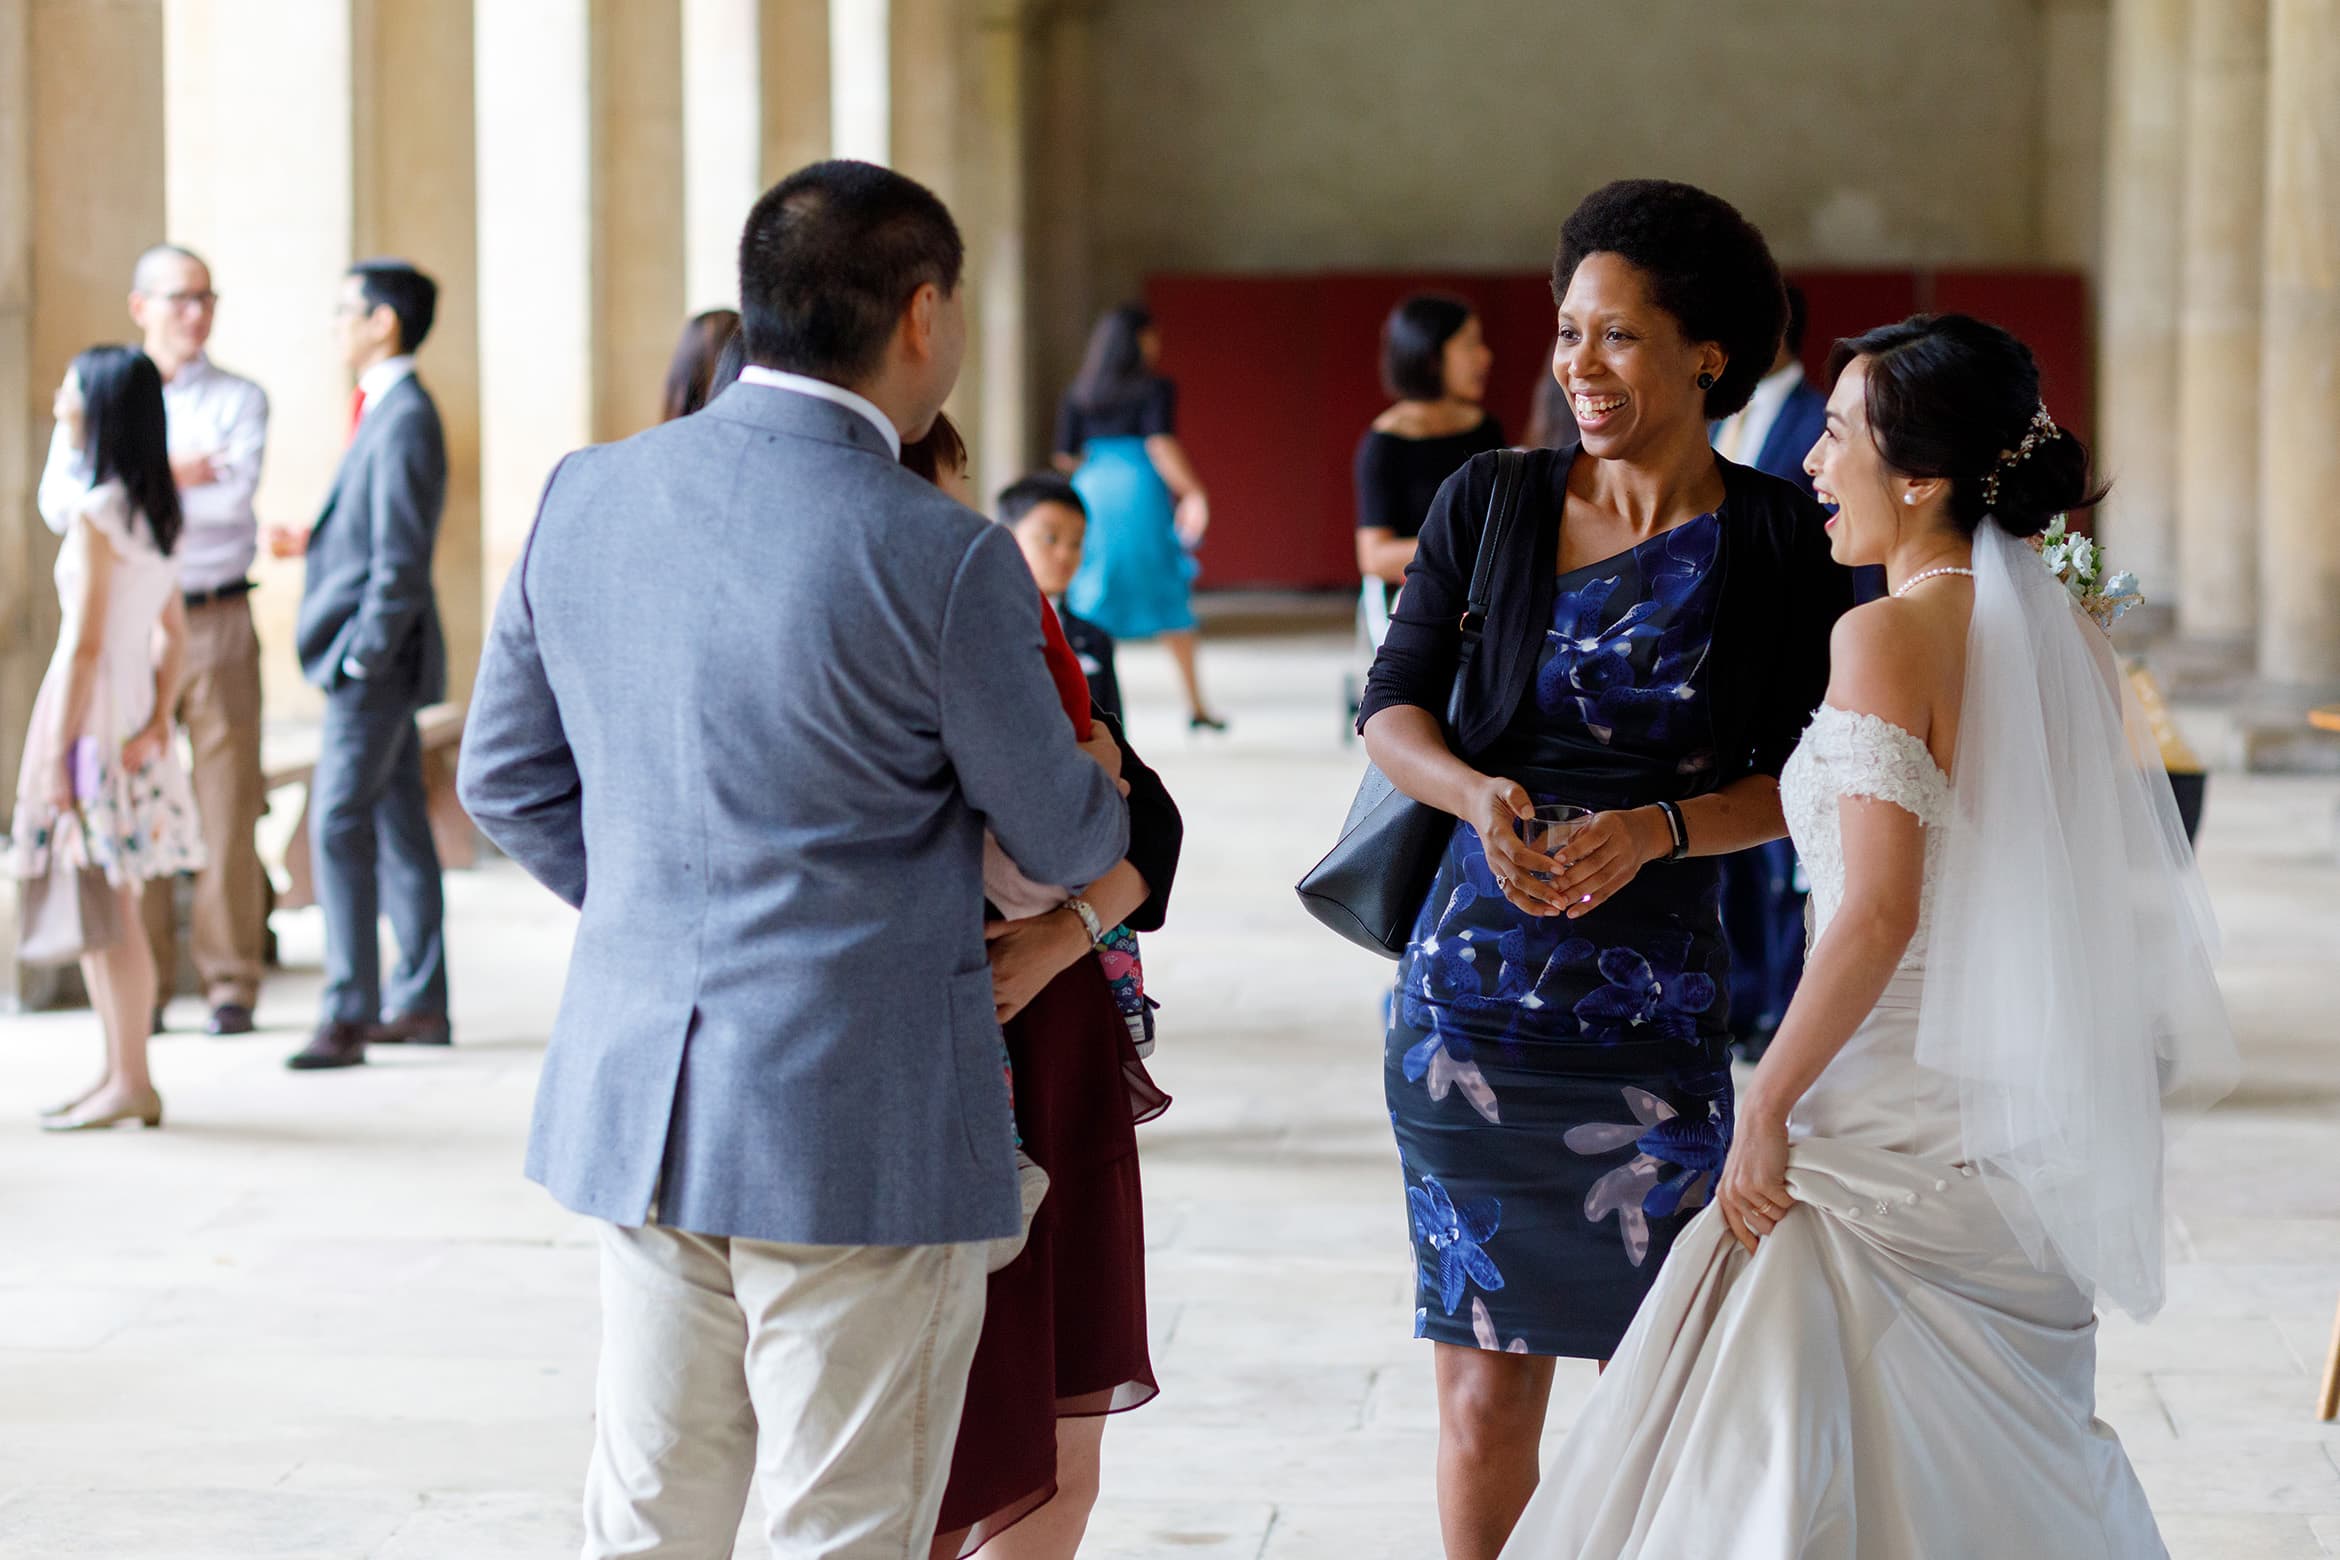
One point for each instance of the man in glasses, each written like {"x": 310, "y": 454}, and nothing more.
{"x": 218, "y": 425}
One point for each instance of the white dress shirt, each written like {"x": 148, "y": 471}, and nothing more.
{"x": 378, "y": 381}
{"x": 1741, "y": 435}
{"x": 210, "y": 411}
{"x": 802, "y": 384}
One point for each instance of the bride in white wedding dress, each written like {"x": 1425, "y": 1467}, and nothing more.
{"x": 1879, "y": 1344}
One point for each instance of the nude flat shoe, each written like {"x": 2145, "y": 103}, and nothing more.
{"x": 146, "y": 1110}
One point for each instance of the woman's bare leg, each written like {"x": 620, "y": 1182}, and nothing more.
{"x": 1490, "y": 1422}
{"x": 1181, "y": 645}
{"x": 121, "y": 985}
{"x": 1054, "y": 1531}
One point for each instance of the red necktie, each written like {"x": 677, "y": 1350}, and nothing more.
{"x": 357, "y": 410}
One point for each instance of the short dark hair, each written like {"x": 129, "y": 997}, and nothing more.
{"x": 1020, "y": 497}
{"x": 1947, "y": 396}
{"x": 403, "y": 289}
{"x": 830, "y": 257}
{"x": 690, "y": 373}
{"x": 1707, "y": 266}
{"x": 1799, "y": 320}
{"x": 125, "y": 436}
{"x": 1413, "y": 344}
{"x": 942, "y": 447}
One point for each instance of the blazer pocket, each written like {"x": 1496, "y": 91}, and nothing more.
{"x": 979, "y": 1053}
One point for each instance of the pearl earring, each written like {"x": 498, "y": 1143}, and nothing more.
{"x": 1909, "y": 498}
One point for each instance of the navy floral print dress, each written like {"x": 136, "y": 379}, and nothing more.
{"x": 1561, "y": 1089}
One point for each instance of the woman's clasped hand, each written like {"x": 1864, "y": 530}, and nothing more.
{"x": 1600, "y": 856}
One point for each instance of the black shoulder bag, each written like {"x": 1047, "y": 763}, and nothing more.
{"x": 1369, "y": 888}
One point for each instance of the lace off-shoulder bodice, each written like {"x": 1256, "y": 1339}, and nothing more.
{"x": 1845, "y": 753}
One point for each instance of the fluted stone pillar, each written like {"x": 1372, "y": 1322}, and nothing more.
{"x": 2299, "y": 553}
{"x": 998, "y": 255}
{"x": 2218, "y": 323}
{"x": 581, "y": 237}
{"x": 2138, "y": 346}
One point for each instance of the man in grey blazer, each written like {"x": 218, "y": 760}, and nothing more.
{"x": 369, "y": 636}
{"x": 751, "y": 697}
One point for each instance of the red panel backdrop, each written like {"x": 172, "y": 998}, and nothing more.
{"x": 1279, "y": 376}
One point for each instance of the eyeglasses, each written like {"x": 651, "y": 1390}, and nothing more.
{"x": 189, "y": 300}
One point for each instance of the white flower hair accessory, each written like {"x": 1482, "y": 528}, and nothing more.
{"x": 2077, "y": 562}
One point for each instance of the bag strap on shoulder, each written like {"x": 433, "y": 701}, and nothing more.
{"x": 1502, "y": 507}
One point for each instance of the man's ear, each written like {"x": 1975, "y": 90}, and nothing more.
{"x": 921, "y": 318}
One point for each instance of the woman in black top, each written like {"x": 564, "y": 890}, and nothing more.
{"x": 1117, "y": 434}
{"x": 1434, "y": 360}
{"x": 1556, "y": 1066}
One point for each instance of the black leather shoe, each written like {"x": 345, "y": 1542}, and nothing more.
{"x": 333, "y": 1045}
{"x": 413, "y": 1029}
{"x": 230, "y": 1018}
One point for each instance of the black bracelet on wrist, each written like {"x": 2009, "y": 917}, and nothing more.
{"x": 1677, "y": 828}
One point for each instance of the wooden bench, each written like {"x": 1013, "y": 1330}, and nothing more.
{"x": 290, "y": 758}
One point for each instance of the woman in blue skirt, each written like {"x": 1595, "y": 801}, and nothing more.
{"x": 1557, "y": 1065}
{"x": 1117, "y": 434}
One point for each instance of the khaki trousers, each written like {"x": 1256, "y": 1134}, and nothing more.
{"x": 219, "y": 706}
{"x": 831, "y": 1376}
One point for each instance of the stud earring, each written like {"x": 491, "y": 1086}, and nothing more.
{"x": 1909, "y": 498}
{"x": 1706, "y": 381}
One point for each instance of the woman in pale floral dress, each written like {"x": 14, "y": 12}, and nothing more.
{"x": 101, "y": 785}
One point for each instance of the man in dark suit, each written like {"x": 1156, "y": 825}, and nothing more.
{"x": 369, "y": 636}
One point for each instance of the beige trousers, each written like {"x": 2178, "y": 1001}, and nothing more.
{"x": 831, "y": 1376}
{"x": 219, "y": 705}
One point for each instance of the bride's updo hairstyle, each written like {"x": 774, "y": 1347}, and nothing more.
{"x": 1950, "y": 396}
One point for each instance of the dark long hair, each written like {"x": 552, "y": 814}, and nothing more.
{"x": 1413, "y": 344}
{"x": 690, "y": 374}
{"x": 1952, "y": 396}
{"x": 942, "y": 449}
{"x": 1113, "y": 370}
{"x": 124, "y": 435}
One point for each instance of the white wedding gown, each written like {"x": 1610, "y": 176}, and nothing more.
{"x": 1889, "y": 1377}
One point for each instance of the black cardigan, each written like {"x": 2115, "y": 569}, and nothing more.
{"x": 1156, "y": 832}
{"x": 1781, "y": 595}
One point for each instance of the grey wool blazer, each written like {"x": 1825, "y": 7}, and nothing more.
{"x": 751, "y": 696}
{"x": 367, "y": 594}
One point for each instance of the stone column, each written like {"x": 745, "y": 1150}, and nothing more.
{"x": 580, "y": 237}
{"x": 755, "y": 108}
{"x": 1062, "y": 204}
{"x": 2137, "y": 352}
{"x": 416, "y": 197}
{"x": 2299, "y": 577}
{"x": 793, "y": 42}
{"x": 861, "y": 80}
{"x": 997, "y": 257}
{"x": 637, "y": 181}
{"x": 81, "y": 194}
{"x": 2218, "y": 323}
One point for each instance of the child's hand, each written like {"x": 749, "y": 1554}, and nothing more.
{"x": 1106, "y": 752}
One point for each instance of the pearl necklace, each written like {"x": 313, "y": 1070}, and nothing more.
{"x": 1915, "y": 580}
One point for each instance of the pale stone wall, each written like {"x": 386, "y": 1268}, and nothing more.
{"x": 1262, "y": 134}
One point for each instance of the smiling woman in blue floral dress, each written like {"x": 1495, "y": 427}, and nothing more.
{"x": 1557, "y": 1064}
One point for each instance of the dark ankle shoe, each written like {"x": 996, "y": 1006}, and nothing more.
{"x": 333, "y": 1045}
{"x": 230, "y": 1018}
{"x": 413, "y": 1029}
{"x": 1200, "y": 722}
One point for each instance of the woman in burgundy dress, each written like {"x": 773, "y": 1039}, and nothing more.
{"x": 1064, "y": 1326}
